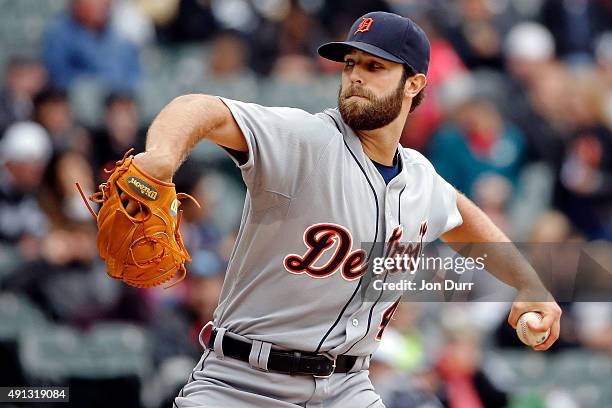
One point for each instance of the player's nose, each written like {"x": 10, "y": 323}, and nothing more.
{"x": 355, "y": 76}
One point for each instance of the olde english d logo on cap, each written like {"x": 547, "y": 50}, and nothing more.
{"x": 365, "y": 25}
{"x": 142, "y": 188}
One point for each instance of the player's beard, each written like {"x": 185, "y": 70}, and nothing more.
{"x": 372, "y": 113}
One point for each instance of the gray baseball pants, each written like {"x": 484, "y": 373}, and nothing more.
{"x": 225, "y": 382}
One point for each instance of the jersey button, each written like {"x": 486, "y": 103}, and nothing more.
{"x": 355, "y": 322}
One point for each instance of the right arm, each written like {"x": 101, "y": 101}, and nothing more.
{"x": 181, "y": 125}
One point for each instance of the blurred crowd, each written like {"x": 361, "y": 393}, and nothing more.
{"x": 517, "y": 115}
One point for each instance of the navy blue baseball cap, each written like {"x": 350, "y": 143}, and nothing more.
{"x": 385, "y": 35}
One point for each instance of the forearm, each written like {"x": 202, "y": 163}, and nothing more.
{"x": 182, "y": 124}
{"x": 479, "y": 236}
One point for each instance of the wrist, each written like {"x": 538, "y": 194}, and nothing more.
{"x": 156, "y": 163}
{"x": 533, "y": 291}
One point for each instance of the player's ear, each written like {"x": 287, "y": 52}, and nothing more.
{"x": 414, "y": 85}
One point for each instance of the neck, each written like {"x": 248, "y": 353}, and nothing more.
{"x": 381, "y": 144}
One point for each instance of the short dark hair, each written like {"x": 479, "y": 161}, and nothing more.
{"x": 50, "y": 95}
{"x": 118, "y": 96}
{"x": 416, "y": 101}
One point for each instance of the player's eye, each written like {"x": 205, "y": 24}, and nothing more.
{"x": 349, "y": 63}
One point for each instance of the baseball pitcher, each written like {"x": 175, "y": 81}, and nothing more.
{"x": 291, "y": 328}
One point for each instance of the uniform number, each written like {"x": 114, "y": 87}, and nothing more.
{"x": 386, "y": 318}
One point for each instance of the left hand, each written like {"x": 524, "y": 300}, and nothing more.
{"x": 551, "y": 317}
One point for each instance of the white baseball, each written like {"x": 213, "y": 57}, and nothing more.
{"x": 524, "y": 332}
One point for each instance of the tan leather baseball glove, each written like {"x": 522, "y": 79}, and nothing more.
{"x": 144, "y": 249}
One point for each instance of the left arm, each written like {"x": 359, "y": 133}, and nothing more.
{"x": 507, "y": 264}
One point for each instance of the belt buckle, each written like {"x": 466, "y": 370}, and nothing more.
{"x": 333, "y": 360}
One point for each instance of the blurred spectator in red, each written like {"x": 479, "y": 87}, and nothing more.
{"x": 176, "y": 327}
{"x": 585, "y": 192}
{"x": 82, "y": 42}
{"x": 53, "y": 111}
{"x": 23, "y": 78}
{"x": 575, "y": 24}
{"x": 121, "y": 131}
{"x": 466, "y": 383}
{"x": 444, "y": 68}
{"x": 25, "y": 150}
{"x": 476, "y": 142}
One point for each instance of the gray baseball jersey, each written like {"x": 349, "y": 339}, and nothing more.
{"x": 313, "y": 197}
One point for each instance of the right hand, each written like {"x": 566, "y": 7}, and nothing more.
{"x": 155, "y": 165}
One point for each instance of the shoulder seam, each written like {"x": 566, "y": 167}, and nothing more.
{"x": 314, "y": 168}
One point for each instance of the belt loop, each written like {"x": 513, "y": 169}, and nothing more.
{"x": 218, "y": 346}
{"x": 260, "y": 352}
{"x": 254, "y": 355}
{"x": 362, "y": 363}
{"x": 295, "y": 358}
{"x": 205, "y": 333}
{"x": 264, "y": 356}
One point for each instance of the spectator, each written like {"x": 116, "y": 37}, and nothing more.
{"x": 477, "y": 38}
{"x": 183, "y": 20}
{"x": 529, "y": 56}
{"x": 198, "y": 225}
{"x": 398, "y": 389}
{"x": 53, "y": 111}
{"x": 528, "y": 48}
{"x": 24, "y": 78}
{"x": 585, "y": 190}
{"x": 25, "y": 150}
{"x": 575, "y": 25}
{"x": 70, "y": 284}
{"x": 68, "y": 280}
{"x": 294, "y": 68}
{"x": 225, "y": 69}
{"x": 594, "y": 325}
{"x": 200, "y": 297}
{"x": 59, "y": 198}
{"x": 466, "y": 382}
{"x": 82, "y": 42}
{"x": 603, "y": 54}
{"x": 492, "y": 193}
{"x": 228, "y": 58}
{"x": 475, "y": 143}
{"x": 444, "y": 69}
{"x": 121, "y": 131}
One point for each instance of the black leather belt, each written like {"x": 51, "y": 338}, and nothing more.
{"x": 288, "y": 362}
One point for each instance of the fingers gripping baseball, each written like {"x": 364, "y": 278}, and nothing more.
{"x": 550, "y": 320}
